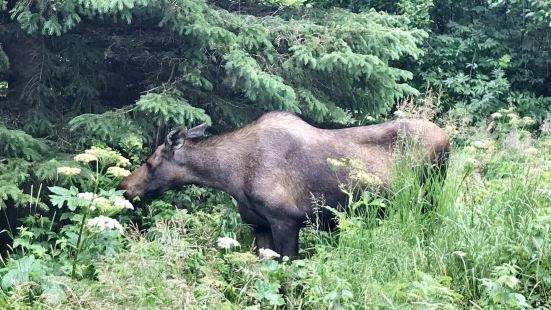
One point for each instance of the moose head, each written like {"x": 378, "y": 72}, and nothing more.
{"x": 166, "y": 168}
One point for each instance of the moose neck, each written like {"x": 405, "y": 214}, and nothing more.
{"x": 215, "y": 162}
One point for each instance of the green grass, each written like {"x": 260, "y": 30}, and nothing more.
{"x": 484, "y": 243}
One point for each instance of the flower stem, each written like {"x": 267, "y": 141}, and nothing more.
{"x": 81, "y": 230}
{"x": 78, "y": 244}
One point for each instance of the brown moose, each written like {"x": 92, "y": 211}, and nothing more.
{"x": 274, "y": 165}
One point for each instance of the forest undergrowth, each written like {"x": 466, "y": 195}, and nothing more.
{"x": 484, "y": 242}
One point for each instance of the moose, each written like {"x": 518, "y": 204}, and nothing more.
{"x": 276, "y": 164}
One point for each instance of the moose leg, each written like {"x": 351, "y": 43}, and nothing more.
{"x": 263, "y": 239}
{"x": 262, "y": 233}
{"x": 285, "y": 234}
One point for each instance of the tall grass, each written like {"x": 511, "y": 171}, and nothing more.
{"x": 483, "y": 241}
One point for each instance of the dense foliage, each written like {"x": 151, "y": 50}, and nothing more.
{"x": 106, "y": 79}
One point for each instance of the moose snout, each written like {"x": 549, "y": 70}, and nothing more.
{"x": 130, "y": 191}
{"x": 135, "y": 184}
{"x": 128, "y": 194}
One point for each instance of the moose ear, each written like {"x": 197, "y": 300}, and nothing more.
{"x": 197, "y": 131}
{"x": 175, "y": 138}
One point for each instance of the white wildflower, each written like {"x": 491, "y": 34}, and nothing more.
{"x": 118, "y": 171}
{"x": 86, "y": 196}
{"x": 496, "y": 115}
{"x": 100, "y": 202}
{"x": 104, "y": 223}
{"x": 527, "y": 121}
{"x": 514, "y": 120}
{"x": 123, "y": 161}
{"x": 512, "y": 115}
{"x": 226, "y": 242}
{"x": 531, "y": 151}
{"x": 481, "y": 144}
{"x": 267, "y": 254}
{"x": 85, "y": 158}
{"x": 68, "y": 171}
{"x": 123, "y": 203}
{"x": 106, "y": 155}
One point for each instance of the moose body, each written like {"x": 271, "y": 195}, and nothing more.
{"x": 276, "y": 164}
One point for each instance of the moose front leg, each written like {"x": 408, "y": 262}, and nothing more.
{"x": 283, "y": 217}
{"x": 261, "y": 228}
{"x": 285, "y": 234}
{"x": 263, "y": 239}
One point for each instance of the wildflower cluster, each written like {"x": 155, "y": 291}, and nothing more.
{"x": 68, "y": 171}
{"x": 104, "y": 205}
{"x": 118, "y": 171}
{"x": 227, "y": 243}
{"x": 508, "y": 119}
{"x": 86, "y": 196}
{"x": 105, "y": 155}
{"x": 85, "y": 158}
{"x": 104, "y": 223}
{"x": 482, "y": 144}
{"x": 122, "y": 203}
{"x": 267, "y": 254}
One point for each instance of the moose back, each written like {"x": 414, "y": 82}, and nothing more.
{"x": 276, "y": 164}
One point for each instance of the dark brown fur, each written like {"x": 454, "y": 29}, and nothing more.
{"x": 273, "y": 165}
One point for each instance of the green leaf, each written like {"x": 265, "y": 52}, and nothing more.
{"x": 22, "y": 271}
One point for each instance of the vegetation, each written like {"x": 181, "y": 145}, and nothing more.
{"x": 87, "y": 88}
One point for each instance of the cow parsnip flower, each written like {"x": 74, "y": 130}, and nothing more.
{"x": 68, "y": 171}
{"x": 267, "y": 254}
{"x": 101, "y": 203}
{"x": 106, "y": 155}
{"x": 531, "y": 151}
{"x": 123, "y": 203}
{"x": 123, "y": 161}
{"x": 482, "y": 145}
{"x": 512, "y": 115}
{"x": 226, "y": 243}
{"x": 86, "y": 196}
{"x": 104, "y": 223}
{"x": 527, "y": 121}
{"x": 496, "y": 115}
{"x": 85, "y": 158}
{"x": 118, "y": 172}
